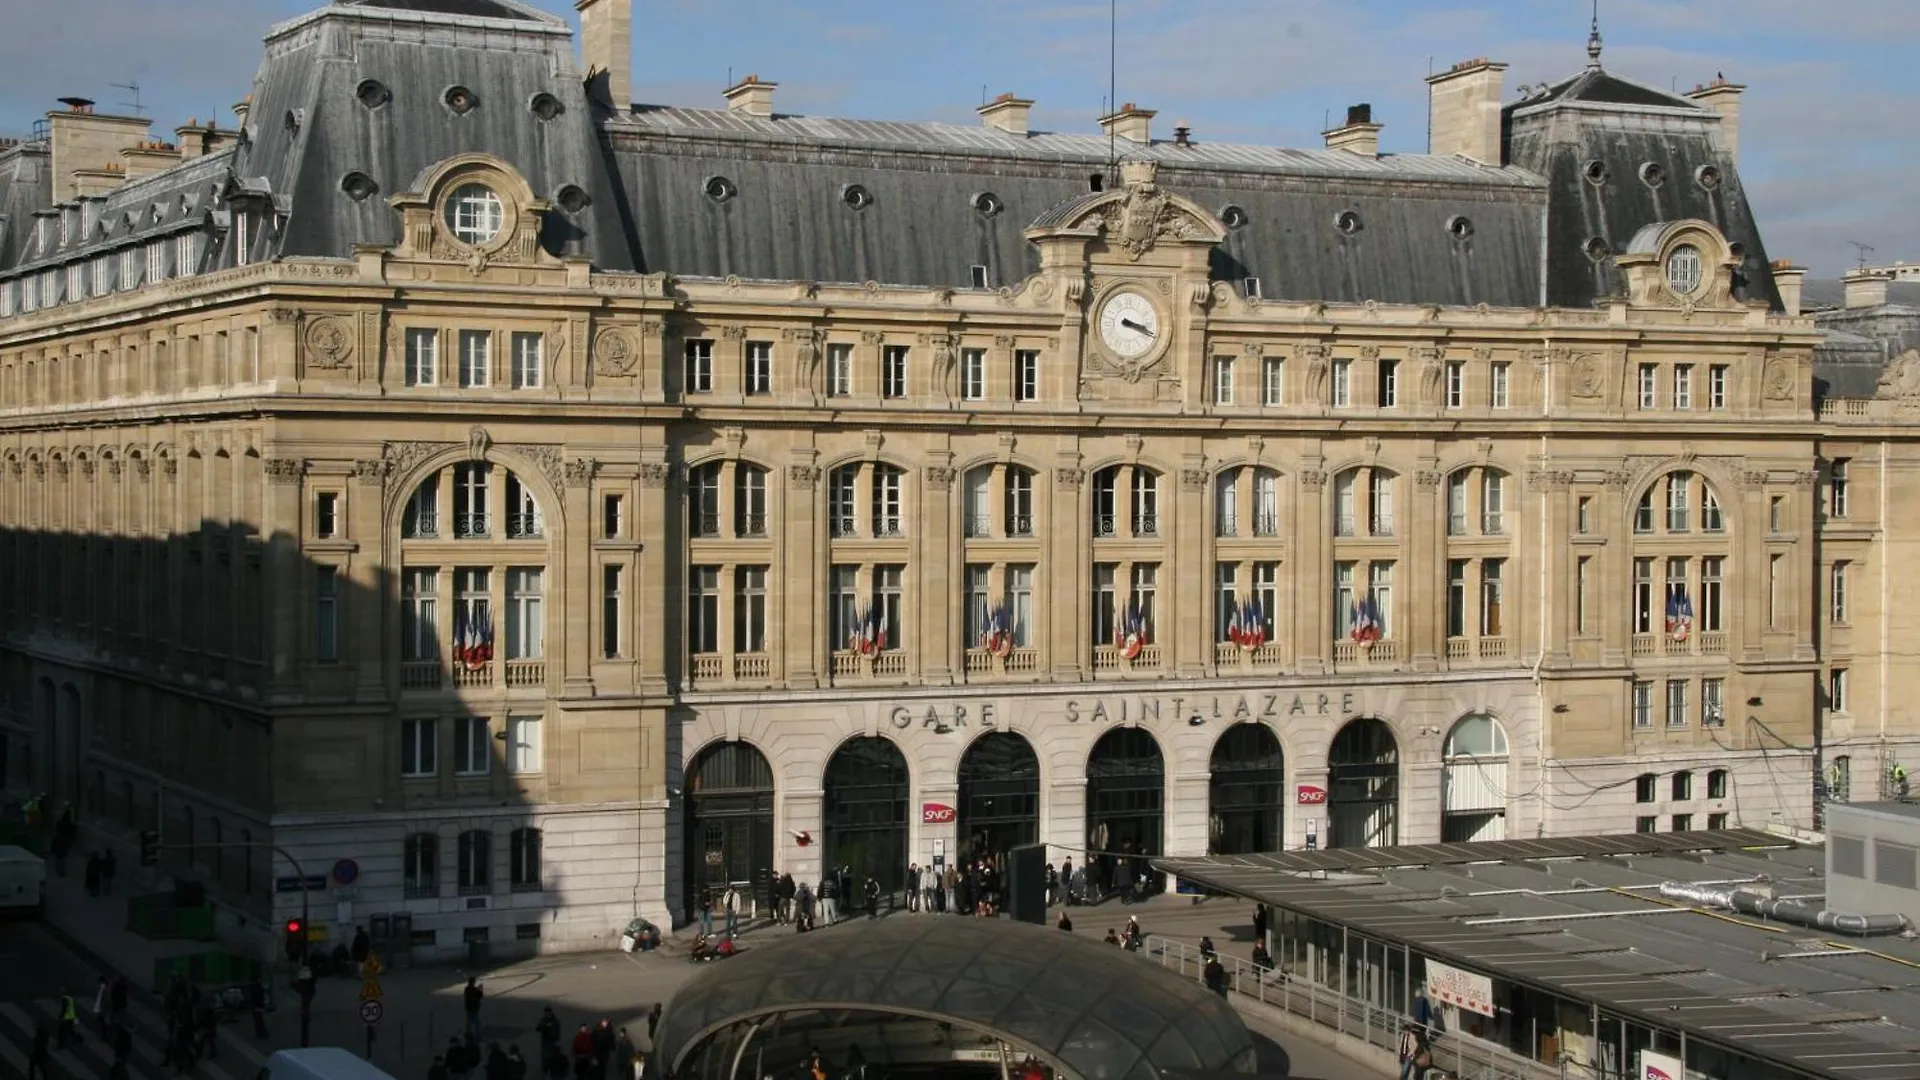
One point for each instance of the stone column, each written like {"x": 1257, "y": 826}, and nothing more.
{"x": 574, "y": 573}
{"x": 1068, "y": 573}
{"x": 655, "y": 620}
{"x": 937, "y": 615}
{"x": 1311, "y": 629}
{"x": 287, "y": 597}
{"x": 804, "y": 576}
{"x": 1427, "y": 553}
{"x": 1190, "y": 646}
{"x": 1557, "y": 576}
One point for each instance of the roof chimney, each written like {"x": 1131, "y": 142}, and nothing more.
{"x": 1463, "y": 110}
{"x": 606, "y": 48}
{"x": 1006, "y": 113}
{"x": 1866, "y": 288}
{"x": 751, "y": 97}
{"x": 1182, "y": 134}
{"x": 84, "y": 141}
{"x": 1359, "y": 134}
{"x": 1131, "y": 123}
{"x": 240, "y": 110}
{"x": 148, "y": 157}
{"x": 1787, "y": 278}
{"x": 1723, "y": 97}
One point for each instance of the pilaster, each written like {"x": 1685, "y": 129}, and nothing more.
{"x": 803, "y": 577}
{"x": 1191, "y": 642}
{"x": 940, "y": 606}
{"x": 653, "y": 604}
{"x": 1312, "y": 625}
{"x": 1069, "y": 647}
{"x": 575, "y": 572}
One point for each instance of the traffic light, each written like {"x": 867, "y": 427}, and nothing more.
{"x": 296, "y": 939}
{"x": 149, "y": 848}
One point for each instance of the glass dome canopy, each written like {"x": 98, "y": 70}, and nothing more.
{"x": 1081, "y": 1007}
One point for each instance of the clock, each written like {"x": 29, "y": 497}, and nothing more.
{"x": 1129, "y": 324}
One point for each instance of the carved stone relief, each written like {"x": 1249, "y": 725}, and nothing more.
{"x": 940, "y": 477}
{"x": 615, "y": 354}
{"x": 803, "y": 477}
{"x": 654, "y": 474}
{"x": 329, "y": 344}
{"x": 285, "y": 470}
{"x": 581, "y": 471}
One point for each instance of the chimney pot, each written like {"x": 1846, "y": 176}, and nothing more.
{"x": 1182, "y": 135}
{"x": 1131, "y": 123}
{"x": 1360, "y": 114}
{"x": 1359, "y": 135}
{"x": 751, "y": 97}
{"x": 1006, "y": 113}
{"x": 1787, "y": 278}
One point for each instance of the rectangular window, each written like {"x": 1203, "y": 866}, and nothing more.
{"x": 423, "y": 357}
{"x": 1345, "y": 513}
{"x": 102, "y": 276}
{"x": 703, "y": 610}
{"x": 1388, "y": 380}
{"x": 1493, "y": 503}
{"x": 1019, "y": 506}
{"x": 1713, "y": 694}
{"x": 525, "y": 747}
{"x": 529, "y": 360}
{"x": 1582, "y": 575}
{"x": 1583, "y": 515}
{"x": 1456, "y": 383}
{"x": 129, "y": 268}
{"x": 156, "y": 262}
{"x": 1717, "y": 821}
{"x": 1273, "y": 382}
{"x": 76, "y": 281}
{"x": 888, "y": 503}
{"x": 1379, "y": 503}
{"x": 1106, "y": 602}
{"x": 839, "y": 370}
{"x": 1677, "y": 503}
{"x": 326, "y": 614}
{"x": 472, "y": 607}
{"x": 699, "y": 362}
{"x": 979, "y": 604}
{"x": 750, "y": 609}
{"x": 843, "y": 605}
{"x": 889, "y": 596}
{"x": 1643, "y": 710}
{"x": 1145, "y": 584}
{"x": 1776, "y": 580}
{"x": 1777, "y": 515}
{"x": 471, "y": 755}
{"x": 1457, "y": 504}
{"x": 1643, "y": 595}
{"x": 1682, "y": 822}
{"x": 526, "y": 622}
{"x": 1646, "y": 824}
{"x": 1266, "y": 503}
{"x": 973, "y": 374}
{"x": 1497, "y": 380}
{"x": 842, "y": 493}
{"x": 1226, "y": 599}
{"x": 749, "y": 501}
{"x": 419, "y": 614}
{"x": 1342, "y": 383}
{"x": 759, "y": 374}
{"x": 1223, "y": 380}
{"x": 1837, "y": 690}
{"x": 893, "y": 371}
{"x": 1717, "y": 386}
{"x": 1712, "y": 592}
{"x": 473, "y": 869}
{"x": 1676, "y": 703}
{"x": 1681, "y": 786}
{"x": 326, "y": 514}
{"x": 419, "y": 747}
{"x": 1837, "y": 488}
{"x": 611, "y": 516}
{"x": 1226, "y": 503}
{"x": 1837, "y": 593}
{"x": 1492, "y": 596}
{"x": 1648, "y": 376}
{"x": 979, "y": 503}
{"x": 610, "y": 617}
{"x": 1026, "y": 375}
{"x": 1146, "y": 503}
{"x": 1345, "y": 598}
{"x": 1646, "y": 788}
{"x": 1380, "y": 592}
{"x": 1683, "y": 386}
{"x": 1020, "y": 604}
{"x": 476, "y": 358}
{"x": 1456, "y": 598}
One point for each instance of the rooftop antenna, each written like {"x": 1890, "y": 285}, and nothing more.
{"x": 1113, "y": 88}
{"x": 1864, "y": 250}
{"x": 132, "y": 88}
{"x": 1593, "y": 40}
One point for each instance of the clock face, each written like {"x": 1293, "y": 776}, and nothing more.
{"x": 1129, "y": 324}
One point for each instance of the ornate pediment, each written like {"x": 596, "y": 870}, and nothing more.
{"x": 1136, "y": 216}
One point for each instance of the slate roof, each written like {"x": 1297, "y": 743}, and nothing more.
{"x": 477, "y": 9}
{"x": 1850, "y": 1009}
{"x": 26, "y": 185}
{"x": 1095, "y": 1008}
{"x": 1598, "y": 86}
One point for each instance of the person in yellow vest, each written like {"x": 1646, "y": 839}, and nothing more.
{"x": 69, "y": 1021}
{"x": 1899, "y": 781}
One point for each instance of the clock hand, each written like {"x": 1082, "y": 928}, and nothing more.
{"x": 1131, "y": 325}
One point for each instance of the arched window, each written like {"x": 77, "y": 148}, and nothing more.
{"x": 1477, "y": 502}
{"x": 475, "y": 870}
{"x": 1680, "y": 594}
{"x": 486, "y": 502}
{"x": 749, "y": 500}
{"x": 420, "y": 866}
{"x": 885, "y": 503}
{"x": 1363, "y": 502}
{"x": 1126, "y": 502}
{"x": 1680, "y": 502}
{"x": 703, "y": 500}
{"x": 1478, "y": 735}
{"x": 523, "y": 860}
{"x": 1246, "y": 502}
{"x": 1005, "y": 489}
{"x": 1474, "y": 782}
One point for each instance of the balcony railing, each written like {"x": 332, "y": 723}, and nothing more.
{"x": 1493, "y": 648}
{"x": 1019, "y": 524}
{"x": 472, "y": 526}
{"x": 752, "y": 666}
{"x": 1146, "y": 524}
{"x": 1380, "y": 525}
{"x": 1646, "y": 645}
{"x": 892, "y": 662}
{"x": 1713, "y": 643}
{"x": 1110, "y": 658}
{"x": 1457, "y": 524}
{"x": 706, "y": 524}
{"x": 525, "y": 527}
{"x": 847, "y": 663}
{"x": 464, "y": 675}
{"x": 889, "y": 527}
{"x": 420, "y": 675}
{"x": 1266, "y": 523}
{"x": 1227, "y": 656}
{"x": 1343, "y": 525}
{"x": 1226, "y": 528}
{"x": 1493, "y": 523}
{"x": 528, "y": 672}
{"x": 843, "y": 526}
{"x": 1382, "y": 653}
{"x": 753, "y": 525}
{"x": 1021, "y": 661}
{"x": 979, "y": 525}
{"x": 1018, "y": 661}
{"x": 1105, "y": 525}
{"x": 420, "y": 525}
{"x": 707, "y": 667}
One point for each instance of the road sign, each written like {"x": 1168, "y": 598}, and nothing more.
{"x": 370, "y": 989}
{"x": 346, "y": 871}
{"x": 371, "y": 1012}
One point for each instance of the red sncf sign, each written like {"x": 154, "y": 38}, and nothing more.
{"x": 1310, "y": 795}
{"x": 934, "y": 813}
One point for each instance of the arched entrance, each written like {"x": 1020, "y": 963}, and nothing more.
{"x": 1473, "y": 784}
{"x": 1363, "y": 786}
{"x": 866, "y": 814}
{"x": 1245, "y": 805}
{"x": 729, "y": 825}
{"x": 999, "y": 796}
{"x": 1126, "y": 794}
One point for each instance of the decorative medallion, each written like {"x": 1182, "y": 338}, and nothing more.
{"x": 614, "y": 354}
{"x": 329, "y": 344}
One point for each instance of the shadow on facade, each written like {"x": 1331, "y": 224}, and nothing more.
{"x": 232, "y": 692}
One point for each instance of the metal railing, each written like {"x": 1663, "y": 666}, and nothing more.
{"x": 1454, "y": 1055}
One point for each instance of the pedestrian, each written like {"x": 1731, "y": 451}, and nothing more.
{"x": 731, "y": 903}
{"x": 516, "y": 1065}
{"x": 1207, "y": 951}
{"x": 583, "y": 1053}
{"x": 206, "y": 1026}
{"x": 624, "y": 1054}
{"x": 122, "y": 1051}
{"x": 496, "y": 1062}
{"x": 102, "y": 999}
{"x": 42, "y": 1050}
{"x": 1215, "y": 976}
{"x": 548, "y": 1028}
{"x": 603, "y": 1044}
{"x": 69, "y": 1021}
{"x": 873, "y": 897}
{"x": 653, "y": 1025}
{"x": 1416, "y": 1054}
{"x": 117, "y": 997}
{"x": 829, "y": 893}
{"x": 1065, "y": 923}
{"x": 787, "y": 891}
{"x": 257, "y": 1006}
{"x": 1066, "y": 881}
{"x": 1053, "y": 885}
{"x": 474, "y": 996}
{"x": 362, "y": 948}
{"x": 706, "y": 912}
{"x": 108, "y": 862}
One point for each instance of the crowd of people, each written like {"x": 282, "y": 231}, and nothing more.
{"x": 596, "y": 1051}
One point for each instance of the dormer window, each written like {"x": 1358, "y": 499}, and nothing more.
{"x": 43, "y": 234}
{"x": 242, "y": 237}
{"x": 475, "y": 214}
{"x": 1683, "y": 270}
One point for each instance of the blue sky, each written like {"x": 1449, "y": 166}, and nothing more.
{"x": 1830, "y": 131}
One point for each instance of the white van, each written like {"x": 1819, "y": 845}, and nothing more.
{"x": 321, "y": 1063}
{"x": 23, "y": 880}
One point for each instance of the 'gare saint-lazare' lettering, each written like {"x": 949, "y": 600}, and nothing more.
{"x": 943, "y": 719}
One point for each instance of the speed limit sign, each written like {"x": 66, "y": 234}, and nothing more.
{"x": 372, "y": 1011}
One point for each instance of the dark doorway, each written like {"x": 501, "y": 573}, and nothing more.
{"x": 1363, "y": 786}
{"x": 1126, "y": 795}
{"x": 67, "y": 742}
{"x": 729, "y": 829}
{"x": 999, "y": 796}
{"x": 866, "y": 814}
{"x": 1246, "y": 806}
